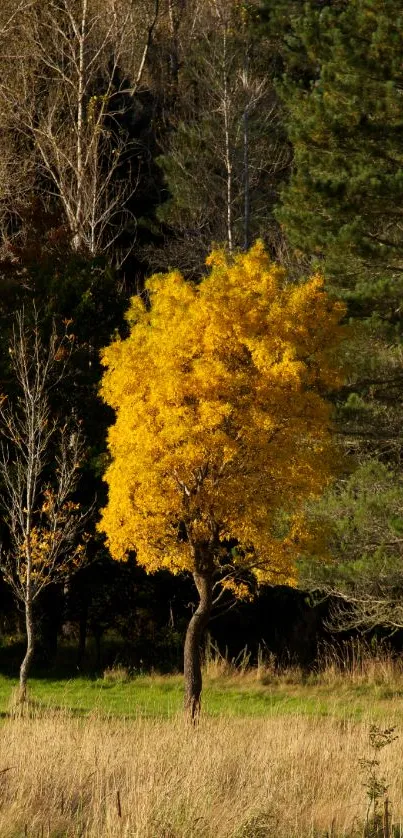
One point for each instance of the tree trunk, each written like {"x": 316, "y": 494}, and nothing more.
{"x": 77, "y": 237}
{"x": 192, "y": 657}
{"x": 82, "y": 636}
{"x": 246, "y": 156}
{"x": 228, "y": 157}
{"x": 26, "y": 663}
{"x": 98, "y": 652}
{"x": 173, "y": 55}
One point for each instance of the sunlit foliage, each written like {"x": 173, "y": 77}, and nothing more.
{"x": 222, "y": 428}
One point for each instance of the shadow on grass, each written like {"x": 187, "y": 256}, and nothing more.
{"x": 64, "y": 665}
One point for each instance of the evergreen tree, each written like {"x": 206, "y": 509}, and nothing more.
{"x": 342, "y": 207}
{"x": 360, "y": 549}
{"x": 344, "y": 198}
{"x": 342, "y": 204}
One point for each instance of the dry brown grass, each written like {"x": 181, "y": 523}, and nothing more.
{"x": 285, "y": 777}
{"x": 357, "y": 662}
{"x": 347, "y": 664}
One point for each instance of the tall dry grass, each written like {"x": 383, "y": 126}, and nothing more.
{"x": 349, "y": 663}
{"x": 285, "y": 777}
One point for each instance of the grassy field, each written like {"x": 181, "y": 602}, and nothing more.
{"x": 372, "y": 690}
{"x": 274, "y": 756}
{"x": 284, "y": 777}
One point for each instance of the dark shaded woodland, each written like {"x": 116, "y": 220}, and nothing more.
{"x": 133, "y": 139}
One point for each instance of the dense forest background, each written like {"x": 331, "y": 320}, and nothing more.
{"x": 134, "y": 137}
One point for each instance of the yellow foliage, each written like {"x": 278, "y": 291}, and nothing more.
{"x": 221, "y": 420}
{"x": 239, "y": 589}
{"x": 41, "y": 548}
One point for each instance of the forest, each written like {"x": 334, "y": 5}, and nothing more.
{"x": 201, "y": 380}
{"x": 201, "y": 368}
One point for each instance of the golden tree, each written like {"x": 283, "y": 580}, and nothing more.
{"x": 222, "y": 430}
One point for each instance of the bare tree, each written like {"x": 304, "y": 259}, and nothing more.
{"x": 66, "y": 91}
{"x": 225, "y": 158}
{"x": 16, "y": 163}
{"x": 39, "y": 471}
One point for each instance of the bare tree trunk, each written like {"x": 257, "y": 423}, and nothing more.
{"x": 82, "y": 636}
{"x": 246, "y": 157}
{"x": 29, "y": 654}
{"x": 174, "y": 62}
{"x": 98, "y": 649}
{"x": 29, "y": 617}
{"x": 192, "y": 657}
{"x": 228, "y": 159}
{"x": 80, "y": 123}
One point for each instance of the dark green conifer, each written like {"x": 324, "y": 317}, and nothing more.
{"x": 344, "y": 200}
{"x": 343, "y": 92}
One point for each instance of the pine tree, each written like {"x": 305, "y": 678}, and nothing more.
{"x": 343, "y": 202}
{"x": 342, "y": 205}
{"x": 342, "y": 208}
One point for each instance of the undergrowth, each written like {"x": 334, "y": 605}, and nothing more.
{"x": 269, "y": 759}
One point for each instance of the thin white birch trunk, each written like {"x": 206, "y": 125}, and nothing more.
{"x": 80, "y": 126}
{"x": 246, "y": 154}
{"x": 228, "y": 159}
{"x": 30, "y": 634}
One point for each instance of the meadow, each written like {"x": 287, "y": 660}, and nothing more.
{"x": 275, "y": 755}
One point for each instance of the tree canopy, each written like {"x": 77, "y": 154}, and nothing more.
{"x": 221, "y": 422}
{"x": 344, "y": 197}
{"x": 138, "y": 138}
{"x": 341, "y": 208}
{"x": 222, "y": 429}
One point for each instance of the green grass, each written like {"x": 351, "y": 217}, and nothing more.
{"x": 156, "y": 696}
